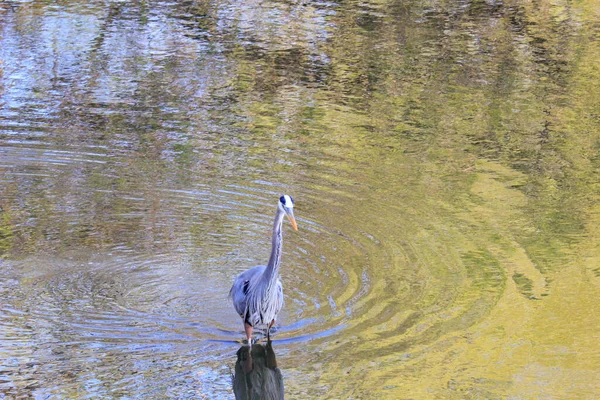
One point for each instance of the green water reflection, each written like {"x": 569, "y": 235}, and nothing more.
{"x": 444, "y": 157}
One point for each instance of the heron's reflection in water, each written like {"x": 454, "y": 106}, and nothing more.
{"x": 256, "y": 373}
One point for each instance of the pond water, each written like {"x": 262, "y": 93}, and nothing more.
{"x": 444, "y": 158}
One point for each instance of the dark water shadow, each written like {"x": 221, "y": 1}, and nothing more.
{"x": 257, "y": 375}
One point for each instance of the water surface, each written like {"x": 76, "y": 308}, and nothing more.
{"x": 444, "y": 159}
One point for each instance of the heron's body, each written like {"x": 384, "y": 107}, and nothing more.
{"x": 257, "y": 293}
{"x": 260, "y": 312}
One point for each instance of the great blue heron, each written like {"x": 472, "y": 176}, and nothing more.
{"x": 257, "y": 293}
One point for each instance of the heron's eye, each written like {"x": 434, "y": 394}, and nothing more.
{"x": 287, "y": 201}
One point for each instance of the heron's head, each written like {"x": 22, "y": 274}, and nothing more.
{"x": 287, "y": 205}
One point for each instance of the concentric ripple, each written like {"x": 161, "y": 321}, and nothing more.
{"x": 361, "y": 276}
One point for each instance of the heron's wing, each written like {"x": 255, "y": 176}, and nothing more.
{"x": 279, "y": 297}
{"x": 240, "y": 288}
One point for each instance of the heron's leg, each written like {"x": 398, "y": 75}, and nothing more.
{"x": 269, "y": 329}
{"x": 248, "y": 329}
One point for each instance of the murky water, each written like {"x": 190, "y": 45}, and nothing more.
{"x": 444, "y": 159}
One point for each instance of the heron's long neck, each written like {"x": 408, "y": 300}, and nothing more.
{"x": 272, "y": 270}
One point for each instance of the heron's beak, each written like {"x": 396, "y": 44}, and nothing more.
{"x": 290, "y": 214}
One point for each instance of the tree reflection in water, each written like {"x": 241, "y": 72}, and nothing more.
{"x": 256, "y": 373}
